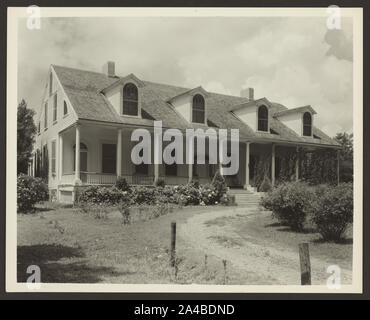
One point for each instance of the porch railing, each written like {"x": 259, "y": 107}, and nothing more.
{"x": 94, "y": 178}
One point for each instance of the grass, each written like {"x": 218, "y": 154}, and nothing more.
{"x": 72, "y": 247}
{"x": 265, "y": 230}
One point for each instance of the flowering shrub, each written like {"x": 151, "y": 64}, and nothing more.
{"x": 265, "y": 185}
{"x": 102, "y": 194}
{"x": 208, "y": 195}
{"x": 289, "y": 202}
{"x": 30, "y": 191}
{"x": 332, "y": 210}
{"x": 183, "y": 195}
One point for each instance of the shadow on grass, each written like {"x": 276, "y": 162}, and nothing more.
{"x": 54, "y": 271}
{"x": 341, "y": 241}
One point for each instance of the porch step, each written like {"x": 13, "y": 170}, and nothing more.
{"x": 246, "y": 198}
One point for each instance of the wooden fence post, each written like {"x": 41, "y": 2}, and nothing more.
{"x": 173, "y": 244}
{"x": 304, "y": 257}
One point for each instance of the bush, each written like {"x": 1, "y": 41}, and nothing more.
{"x": 265, "y": 185}
{"x": 289, "y": 203}
{"x": 125, "y": 211}
{"x": 208, "y": 195}
{"x": 332, "y": 211}
{"x": 220, "y": 185}
{"x": 30, "y": 191}
{"x": 143, "y": 195}
{"x": 121, "y": 184}
{"x": 103, "y": 195}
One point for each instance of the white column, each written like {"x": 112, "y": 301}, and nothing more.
{"x": 247, "y": 157}
{"x": 77, "y": 159}
{"x": 60, "y": 157}
{"x": 119, "y": 152}
{"x": 273, "y": 165}
{"x": 190, "y": 171}
{"x": 297, "y": 166}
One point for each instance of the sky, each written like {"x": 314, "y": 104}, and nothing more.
{"x": 292, "y": 61}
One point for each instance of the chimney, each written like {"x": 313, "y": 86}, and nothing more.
{"x": 108, "y": 69}
{"x": 247, "y": 93}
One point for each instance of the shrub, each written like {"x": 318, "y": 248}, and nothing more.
{"x": 228, "y": 200}
{"x": 100, "y": 194}
{"x": 332, "y": 211}
{"x": 187, "y": 195}
{"x": 220, "y": 185}
{"x": 160, "y": 183}
{"x": 265, "y": 185}
{"x": 121, "y": 184}
{"x": 125, "y": 211}
{"x": 143, "y": 195}
{"x": 30, "y": 191}
{"x": 289, "y": 203}
{"x": 208, "y": 195}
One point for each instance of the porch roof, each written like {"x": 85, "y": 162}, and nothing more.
{"x": 84, "y": 91}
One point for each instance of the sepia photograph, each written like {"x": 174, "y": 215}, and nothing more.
{"x": 184, "y": 150}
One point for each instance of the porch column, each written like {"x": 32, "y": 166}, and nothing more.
{"x": 60, "y": 156}
{"x": 77, "y": 159}
{"x": 273, "y": 165}
{"x": 247, "y": 157}
{"x": 190, "y": 172}
{"x": 338, "y": 166}
{"x": 156, "y": 172}
{"x": 297, "y": 165}
{"x": 119, "y": 152}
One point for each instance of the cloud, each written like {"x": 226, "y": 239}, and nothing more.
{"x": 294, "y": 61}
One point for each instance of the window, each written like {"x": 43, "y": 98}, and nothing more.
{"x": 46, "y": 115}
{"x": 53, "y": 157}
{"x": 55, "y": 108}
{"x": 109, "y": 158}
{"x": 130, "y": 105}
{"x": 51, "y": 84}
{"x": 38, "y": 127}
{"x": 198, "y": 109}
{"x": 263, "y": 118}
{"x": 65, "y": 108}
{"x": 307, "y": 124}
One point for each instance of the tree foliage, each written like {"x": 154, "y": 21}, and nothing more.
{"x": 346, "y": 156}
{"x": 26, "y": 130}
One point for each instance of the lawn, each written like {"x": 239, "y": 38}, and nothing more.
{"x": 74, "y": 247}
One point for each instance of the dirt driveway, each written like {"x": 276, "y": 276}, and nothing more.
{"x": 225, "y": 234}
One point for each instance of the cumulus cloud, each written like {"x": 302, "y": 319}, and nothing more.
{"x": 294, "y": 61}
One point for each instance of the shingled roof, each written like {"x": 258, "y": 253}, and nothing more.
{"x": 84, "y": 90}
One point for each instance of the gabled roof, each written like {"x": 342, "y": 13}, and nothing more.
{"x": 252, "y": 103}
{"x": 295, "y": 110}
{"x": 83, "y": 89}
{"x": 190, "y": 92}
{"x": 130, "y": 77}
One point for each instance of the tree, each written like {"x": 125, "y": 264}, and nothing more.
{"x": 26, "y": 130}
{"x": 345, "y": 156}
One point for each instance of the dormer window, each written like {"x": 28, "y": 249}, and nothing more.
{"x": 198, "y": 109}
{"x": 263, "y": 118}
{"x": 307, "y": 124}
{"x": 130, "y": 105}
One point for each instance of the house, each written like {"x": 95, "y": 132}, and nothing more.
{"x": 86, "y": 121}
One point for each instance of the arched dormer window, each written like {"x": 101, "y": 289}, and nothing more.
{"x": 307, "y": 124}
{"x": 130, "y": 105}
{"x": 263, "y": 118}
{"x": 198, "y": 109}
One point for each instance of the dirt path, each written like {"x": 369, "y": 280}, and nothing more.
{"x": 278, "y": 265}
